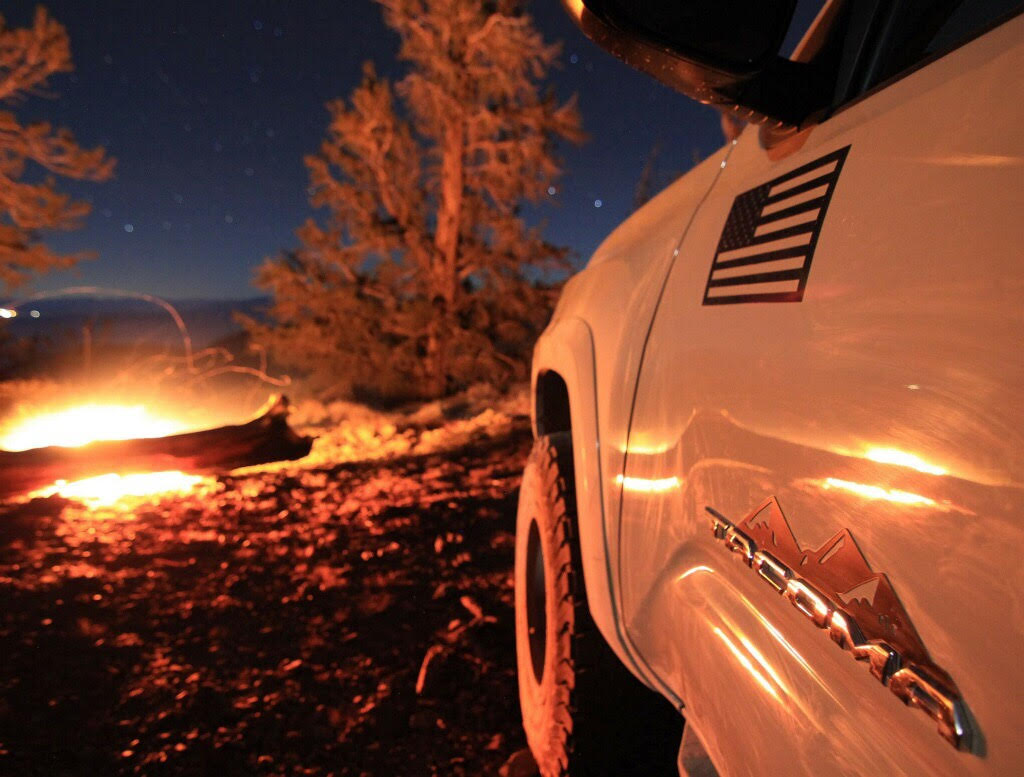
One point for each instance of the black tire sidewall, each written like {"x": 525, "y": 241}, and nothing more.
{"x": 545, "y": 705}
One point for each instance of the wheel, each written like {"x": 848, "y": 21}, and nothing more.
{"x": 583, "y": 713}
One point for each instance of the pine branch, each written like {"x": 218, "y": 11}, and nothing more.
{"x": 27, "y": 58}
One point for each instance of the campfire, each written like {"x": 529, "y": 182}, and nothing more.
{"x": 77, "y": 426}
{"x": 105, "y": 490}
{"x": 102, "y": 453}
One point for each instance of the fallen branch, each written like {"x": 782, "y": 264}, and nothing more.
{"x": 421, "y": 679}
{"x": 264, "y": 439}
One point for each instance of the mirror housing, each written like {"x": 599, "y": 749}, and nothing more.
{"x": 720, "y": 52}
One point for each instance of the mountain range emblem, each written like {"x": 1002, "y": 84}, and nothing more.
{"x": 838, "y": 591}
{"x": 864, "y": 592}
{"x": 841, "y": 572}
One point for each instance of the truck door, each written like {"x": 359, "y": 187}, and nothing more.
{"x": 836, "y": 359}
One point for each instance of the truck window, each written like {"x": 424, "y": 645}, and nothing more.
{"x": 918, "y": 31}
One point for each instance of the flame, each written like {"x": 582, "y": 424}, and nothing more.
{"x": 105, "y": 490}
{"x": 575, "y": 7}
{"x": 77, "y": 426}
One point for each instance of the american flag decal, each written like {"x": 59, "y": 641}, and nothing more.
{"x": 768, "y": 242}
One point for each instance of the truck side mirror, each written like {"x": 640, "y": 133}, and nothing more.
{"x": 720, "y": 52}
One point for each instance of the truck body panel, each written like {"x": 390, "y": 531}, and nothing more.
{"x": 885, "y": 402}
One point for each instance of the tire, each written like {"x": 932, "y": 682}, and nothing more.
{"x": 583, "y": 713}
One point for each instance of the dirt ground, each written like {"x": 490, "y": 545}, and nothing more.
{"x": 350, "y": 619}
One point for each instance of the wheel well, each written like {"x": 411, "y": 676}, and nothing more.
{"x": 552, "y": 404}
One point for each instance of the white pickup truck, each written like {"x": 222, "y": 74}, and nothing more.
{"x": 778, "y": 475}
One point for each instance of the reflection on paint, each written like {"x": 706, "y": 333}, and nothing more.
{"x": 643, "y": 449}
{"x": 759, "y": 657}
{"x": 648, "y": 485}
{"x": 903, "y": 459}
{"x": 878, "y": 492}
{"x": 747, "y": 664}
{"x": 693, "y": 570}
{"x": 789, "y": 648}
{"x": 974, "y": 160}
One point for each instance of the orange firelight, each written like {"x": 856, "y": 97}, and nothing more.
{"x": 77, "y": 426}
{"x": 105, "y": 490}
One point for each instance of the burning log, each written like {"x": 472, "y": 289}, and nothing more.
{"x": 264, "y": 439}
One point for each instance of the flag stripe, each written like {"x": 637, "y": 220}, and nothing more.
{"x": 814, "y": 183}
{"x": 764, "y": 292}
{"x": 810, "y": 194}
{"x": 792, "y": 210}
{"x": 762, "y": 248}
{"x": 781, "y": 233}
{"x": 799, "y": 218}
{"x": 759, "y": 277}
{"x": 801, "y": 176}
{"x": 769, "y": 256}
{"x": 768, "y": 265}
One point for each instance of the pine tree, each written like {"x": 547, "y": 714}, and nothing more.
{"x": 29, "y": 206}
{"x": 420, "y": 280}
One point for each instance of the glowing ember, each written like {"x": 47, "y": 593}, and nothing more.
{"x": 105, "y": 490}
{"x": 80, "y": 425}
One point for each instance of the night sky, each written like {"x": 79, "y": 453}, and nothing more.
{"x": 210, "y": 107}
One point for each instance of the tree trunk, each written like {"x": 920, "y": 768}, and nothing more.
{"x": 446, "y": 240}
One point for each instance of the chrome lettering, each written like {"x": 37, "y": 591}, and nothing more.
{"x": 774, "y": 572}
{"x": 809, "y": 601}
{"x": 719, "y": 526}
{"x": 882, "y": 660}
{"x": 915, "y": 688}
{"x": 911, "y": 683}
{"x": 844, "y": 631}
{"x": 740, "y": 543}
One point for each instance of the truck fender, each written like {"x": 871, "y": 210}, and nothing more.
{"x": 567, "y": 348}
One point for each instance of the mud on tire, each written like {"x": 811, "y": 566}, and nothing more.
{"x": 583, "y": 712}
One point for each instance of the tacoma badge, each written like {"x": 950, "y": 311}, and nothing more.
{"x": 837, "y": 591}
